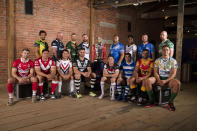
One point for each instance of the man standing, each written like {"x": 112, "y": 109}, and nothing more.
{"x": 85, "y": 45}
{"x": 82, "y": 68}
{"x": 165, "y": 69}
{"x": 166, "y": 41}
{"x": 58, "y": 47}
{"x": 117, "y": 50}
{"x": 72, "y": 47}
{"x": 131, "y": 48}
{"x": 22, "y": 73}
{"x": 41, "y": 44}
{"x": 46, "y": 69}
{"x": 146, "y": 45}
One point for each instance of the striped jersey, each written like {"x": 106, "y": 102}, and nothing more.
{"x": 127, "y": 69}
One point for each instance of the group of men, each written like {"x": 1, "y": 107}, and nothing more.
{"x": 129, "y": 64}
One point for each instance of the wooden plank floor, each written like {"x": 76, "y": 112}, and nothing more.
{"x": 93, "y": 114}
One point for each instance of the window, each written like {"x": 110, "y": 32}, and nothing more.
{"x": 29, "y": 7}
{"x": 129, "y": 26}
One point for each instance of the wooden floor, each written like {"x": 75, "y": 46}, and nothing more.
{"x": 93, "y": 114}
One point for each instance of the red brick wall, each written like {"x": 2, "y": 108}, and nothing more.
{"x": 65, "y": 16}
{"x": 3, "y": 43}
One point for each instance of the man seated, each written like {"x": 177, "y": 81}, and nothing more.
{"x": 82, "y": 68}
{"x": 126, "y": 72}
{"x": 143, "y": 70}
{"x": 165, "y": 69}
{"x": 111, "y": 71}
{"x": 46, "y": 70}
{"x": 22, "y": 73}
{"x": 64, "y": 68}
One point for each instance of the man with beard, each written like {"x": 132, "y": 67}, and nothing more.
{"x": 71, "y": 46}
{"x": 85, "y": 45}
{"x": 41, "y": 44}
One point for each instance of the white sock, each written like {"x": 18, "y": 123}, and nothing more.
{"x": 11, "y": 95}
{"x": 59, "y": 86}
{"x": 102, "y": 88}
{"x": 34, "y": 93}
{"x": 72, "y": 87}
{"x": 113, "y": 85}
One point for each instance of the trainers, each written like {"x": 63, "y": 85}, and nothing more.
{"x": 59, "y": 95}
{"x": 42, "y": 98}
{"x": 139, "y": 101}
{"x": 92, "y": 94}
{"x": 79, "y": 95}
{"x": 101, "y": 96}
{"x": 72, "y": 94}
{"x": 119, "y": 97}
{"x": 34, "y": 98}
{"x": 149, "y": 104}
{"x": 133, "y": 99}
{"x": 10, "y": 101}
{"x": 124, "y": 98}
{"x": 171, "y": 106}
{"x": 112, "y": 98}
{"x": 52, "y": 96}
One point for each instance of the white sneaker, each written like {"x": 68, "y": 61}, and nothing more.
{"x": 101, "y": 96}
{"x": 112, "y": 98}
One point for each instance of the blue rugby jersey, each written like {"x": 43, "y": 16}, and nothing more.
{"x": 127, "y": 69}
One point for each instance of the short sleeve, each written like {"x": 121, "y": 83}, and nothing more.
{"x": 171, "y": 45}
{"x": 156, "y": 64}
{"x": 54, "y": 44}
{"x": 53, "y": 63}
{"x": 175, "y": 64}
{"x": 15, "y": 64}
{"x": 152, "y": 48}
{"x": 70, "y": 64}
{"x": 105, "y": 66}
{"x": 122, "y": 49}
{"x": 151, "y": 64}
{"x": 32, "y": 64}
{"x": 58, "y": 63}
{"x": 36, "y": 63}
{"x": 134, "y": 48}
{"x": 36, "y": 44}
{"x": 137, "y": 64}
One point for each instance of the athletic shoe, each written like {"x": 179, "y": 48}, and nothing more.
{"x": 149, "y": 104}
{"x": 124, "y": 98}
{"x": 119, "y": 97}
{"x": 72, "y": 94}
{"x": 139, "y": 101}
{"x": 42, "y": 98}
{"x": 79, "y": 95}
{"x": 52, "y": 96}
{"x": 171, "y": 106}
{"x": 10, "y": 101}
{"x": 101, "y": 96}
{"x": 59, "y": 95}
{"x": 92, "y": 94}
{"x": 34, "y": 98}
{"x": 112, "y": 98}
{"x": 133, "y": 98}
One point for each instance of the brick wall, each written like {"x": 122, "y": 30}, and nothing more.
{"x": 3, "y": 43}
{"x": 65, "y": 16}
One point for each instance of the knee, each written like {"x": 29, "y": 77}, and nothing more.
{"x": 40, "y": 79}
{"x": 10, "y": 80}
{"x": 113, "y": 80}
{"x": 33, "y": 79}
{"x": 103, "y": 79}
{"x": 77, "y": 76}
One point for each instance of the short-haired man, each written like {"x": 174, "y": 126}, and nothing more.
{"x": 22, "y": 73}
{"x": 131, "y": 47}
{"x": 85, "y": 45}
{"x": 111, "y": 71}
{"x": 143, "y": 71}
{"x": 72, "y": 47}
{"x": 146, "y": 45}
{"x": 64, "y": 68}
{"x": 82, "y": 68}
{"x": 165, "y": 69}
{"x": 41, "y": 44}
{"x": 126, "y": 72}
{"x": 46, "y": 70}
{"x": 57, "y": 46}
{"x": 166, "y": 41}
{"x": 117, "y": 50}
